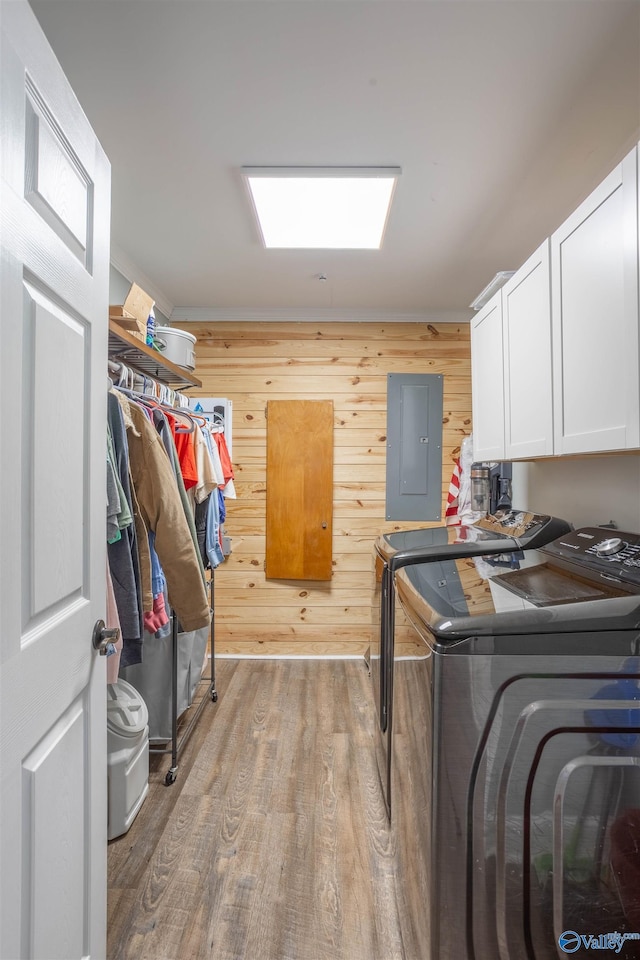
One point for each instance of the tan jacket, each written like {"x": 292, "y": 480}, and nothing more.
{"x": 163, "y": 513}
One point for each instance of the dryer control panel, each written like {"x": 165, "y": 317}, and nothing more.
{"x": 590, "y": 551}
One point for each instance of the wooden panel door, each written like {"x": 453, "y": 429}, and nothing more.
{"x": 54, "y": 301}
{"x": 299, "y": 489}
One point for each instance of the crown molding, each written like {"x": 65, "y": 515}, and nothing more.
{"x": 125, "y": 265}
{"x": 313, "y": 315}
{"x": 176, "y": 314}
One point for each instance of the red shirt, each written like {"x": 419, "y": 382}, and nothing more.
{"x": 186, "y": 451}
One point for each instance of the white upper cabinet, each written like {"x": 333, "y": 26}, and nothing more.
{"x": 526, "y": 325}
{"x": 487, "y": 381}
{"x": 596, "y": 360}
{"x": 511, "y": 367}
{"x": 555, "y": 355}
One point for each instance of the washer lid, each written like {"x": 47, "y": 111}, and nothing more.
{"x": 507, "y": 531}
{"x": 451, "y": 601}
{"x": 127, "y": 712}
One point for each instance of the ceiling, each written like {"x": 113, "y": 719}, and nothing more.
{"x": 502, "y": 115}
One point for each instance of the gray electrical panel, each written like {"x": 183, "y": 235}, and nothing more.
{"x": 414, "y": 446}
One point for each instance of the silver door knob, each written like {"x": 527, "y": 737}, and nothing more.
{"x": 104, "y": 638}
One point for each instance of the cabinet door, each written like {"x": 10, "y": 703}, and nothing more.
{"x": 594, "y": 269}
{"x": 487, "y": 375}
{"x": 526, "y": 323}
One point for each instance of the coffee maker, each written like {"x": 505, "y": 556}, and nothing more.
{"x": 490, "y": 487}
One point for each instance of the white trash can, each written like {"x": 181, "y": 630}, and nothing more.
{"x": 127, "y": 755}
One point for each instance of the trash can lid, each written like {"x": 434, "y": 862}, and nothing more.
{"x": 127, "y": 712}
{"x": 176, "y": 332}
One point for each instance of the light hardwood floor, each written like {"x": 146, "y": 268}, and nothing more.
{"x": 273, "y": 844}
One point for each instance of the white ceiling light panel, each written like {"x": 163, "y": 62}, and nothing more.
{"x": 343, "y": 208}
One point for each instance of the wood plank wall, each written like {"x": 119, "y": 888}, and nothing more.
{"x": 348, "y": 363}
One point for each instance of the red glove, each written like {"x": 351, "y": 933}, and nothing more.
{"x": 158, "y": 617}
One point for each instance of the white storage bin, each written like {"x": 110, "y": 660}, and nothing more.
{"x": 127, "y": 756}
{"x": 177, "y": 345}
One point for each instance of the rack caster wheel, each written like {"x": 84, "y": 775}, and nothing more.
{"x": 214, "y": 696}
{"x": 170, "y": 777}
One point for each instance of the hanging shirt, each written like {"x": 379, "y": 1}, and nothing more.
{"x": 144, "y": 557}
{"x": 227, "y": 467}
{"x": 214, "y": 453}
{"x": 123, "y": 554}
{"x": 112, "y": 622}
{"x": 158, "y": 581}
{"x": 113, "y": 504}
{"x": 207, "y": 479}
{"x": 162, "y": 426}
{"x": 201, "y": 513}
{"x": 213, "y": 531}
{"x": 185, "y": 450}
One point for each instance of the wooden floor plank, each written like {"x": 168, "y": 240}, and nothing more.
{"x": 273, "y": 844}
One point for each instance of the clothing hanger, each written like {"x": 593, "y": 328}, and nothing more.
{"x": 147, "y": 401}
{"x": 121, "y": 371}
{"x": 152, "y": 390}
{"x": 198, "y": 418}
{"x": 144, "y": 400}
{"x": 179, "y": 412}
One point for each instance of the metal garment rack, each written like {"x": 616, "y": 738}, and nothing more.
{"x": 128, "y": 349}
{"x": 178, "y": 742}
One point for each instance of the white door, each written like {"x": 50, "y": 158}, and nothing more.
{"x": 526, "y": 322}
{"x": 53, "y": 347}
{"x": 596, "y": 352}
{"x": 487, "y": 381}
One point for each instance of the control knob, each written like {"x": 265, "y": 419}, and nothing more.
{"x": 607, "y": 547}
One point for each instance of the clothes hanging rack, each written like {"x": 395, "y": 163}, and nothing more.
{"x": 179, "y": 413}
{"x": 129, "y": 380}
{"x": 178, "y": 742}
{"x": 175, "y": 745}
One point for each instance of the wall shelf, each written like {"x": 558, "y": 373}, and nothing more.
{"x": 136, "y": 354}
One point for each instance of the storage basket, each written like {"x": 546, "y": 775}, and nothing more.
{"x": 177, "y": 345}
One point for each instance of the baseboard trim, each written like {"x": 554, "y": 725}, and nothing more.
{"x": 289, "y": 656}
{"x": 302, "y": 656}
